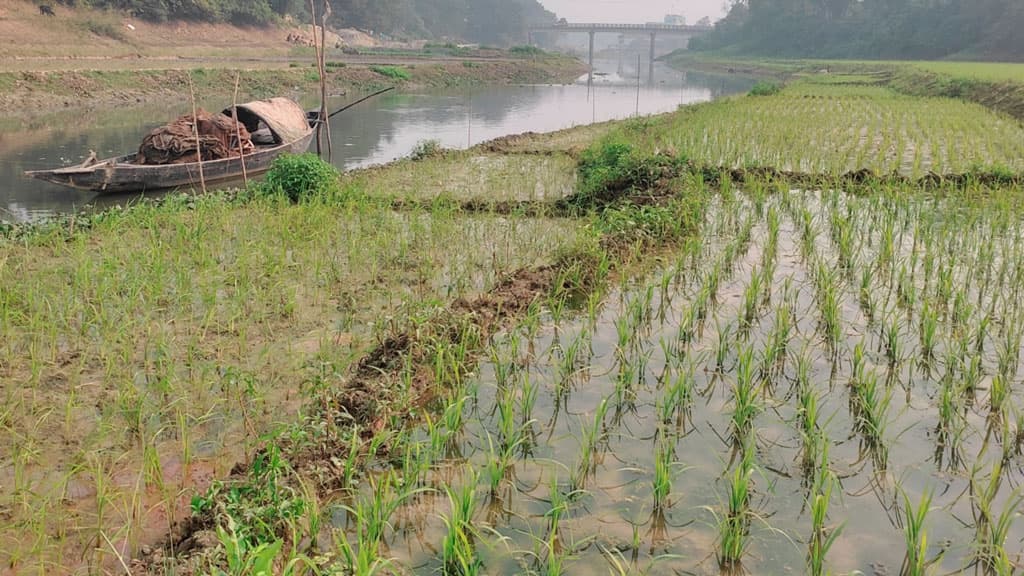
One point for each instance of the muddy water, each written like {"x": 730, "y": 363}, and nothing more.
{"x": 629, "y": 351}
{"x": 378, "y": 131}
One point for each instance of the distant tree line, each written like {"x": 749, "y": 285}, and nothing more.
{"x": 486, "y": 21}
{"x": 877, "y": 29}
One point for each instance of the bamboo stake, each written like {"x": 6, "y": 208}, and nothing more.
{"x": 238, "y": 131}
{"x": 323, "y": 79}
{"x": 316, "y": 50}
{"x": 195, "y": 131}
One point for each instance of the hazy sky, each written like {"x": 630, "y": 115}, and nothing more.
{"x": 633, "y": 10}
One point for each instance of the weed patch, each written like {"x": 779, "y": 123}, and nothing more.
{"x": 614, "y": 168}
{"x": 392, "y": 72}
{"x": 300, "y": 176}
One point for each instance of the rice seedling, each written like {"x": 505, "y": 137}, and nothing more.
{"x": 592, "y": 436}
{"x": 981, "y": 330}
{"x": 778, "y": 342}
{"x": 865, "y": 298}
{"x": 689, "y": 324}
{"x": 998, "y": 396}
{"x": 453, "y": 418}
{"x": 893, "y": 339}
{"x": 745, "y": 397}
{"x": 992, "y": 528}
{"x": 509, "y": 427}
{"x": 724, "y": 345}
{"x": 527, "y": 400}
{"x": 871, "y": 403}
{"x": 951, "y": 429}
{"x": 751, "y": 302}
{"x": 371, "y": 517}
{"x": 674, "y": 405}
{"x": 829, "y": 304}
{"x": 458, "y": 551}
{"x": 498, "y": 462}
{"x": 972, "y": 375}
{"x": 807, "y": 417}
{"x": 915, "y": 534}
{"x": 962, "y": 309}
{"x": 555, "y": 558}
{"x": 734, "y": 523}
{"x": 822, "y": 537}
{"x": 1008, "y": 354}
{"x": 661, "y": 483}
{"x": 928, "y": 328}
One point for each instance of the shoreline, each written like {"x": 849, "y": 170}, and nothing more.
{"x": 30, "y": 93}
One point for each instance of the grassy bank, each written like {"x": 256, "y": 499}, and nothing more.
{"x": 244, "y": 380}
{"x": 997, "y": 86}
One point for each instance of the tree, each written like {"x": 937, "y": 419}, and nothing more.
{"x": 871, "y": 28}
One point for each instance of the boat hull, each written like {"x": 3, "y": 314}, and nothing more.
{"x": 117, "y": 175}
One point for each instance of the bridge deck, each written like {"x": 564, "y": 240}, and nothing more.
{"x": 584, "y": 27}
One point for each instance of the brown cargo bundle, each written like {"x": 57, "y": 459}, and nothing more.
{"x": 176, "y": 142}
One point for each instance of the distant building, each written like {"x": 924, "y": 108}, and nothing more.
{"x": 675, "y": 20}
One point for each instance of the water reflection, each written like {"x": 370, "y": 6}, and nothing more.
{"x": 377, "y": 131}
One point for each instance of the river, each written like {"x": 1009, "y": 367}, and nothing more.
{"x": 377, "y": 131}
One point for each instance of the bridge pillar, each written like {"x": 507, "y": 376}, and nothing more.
{"x": 622, "y": 53}
{"x": 650, "y": 71}
{"x": 593, "y": 33}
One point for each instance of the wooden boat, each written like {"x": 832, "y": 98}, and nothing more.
{"x": 290, "y": 130}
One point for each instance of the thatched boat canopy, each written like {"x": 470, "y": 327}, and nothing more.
{"x": 286, "y": 119}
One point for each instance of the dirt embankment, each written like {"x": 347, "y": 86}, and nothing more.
{"x": 22, "y": 92}
{"x": 1005, "y": 97}
{"x": 82, "y": 57}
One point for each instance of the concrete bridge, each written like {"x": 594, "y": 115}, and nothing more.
{"x": 646, "y": 29}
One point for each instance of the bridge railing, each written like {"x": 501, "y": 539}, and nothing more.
{"x": 644, "y": 27}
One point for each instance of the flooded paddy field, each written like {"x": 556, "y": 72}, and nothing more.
{"x": 601, "y": 350}
{"x": 133, "y": 378}
{"x": 818, "y": 382}
{"x": 830, "y": 126}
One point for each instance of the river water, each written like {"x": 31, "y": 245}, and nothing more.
{"x": 377, "y": 131}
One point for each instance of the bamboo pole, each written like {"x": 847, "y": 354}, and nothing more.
{"x": 238, "y": 131}
{"x": 195, "y": 131}
{"x": 323, "y": 79}
{"x": 316, "y": 50}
